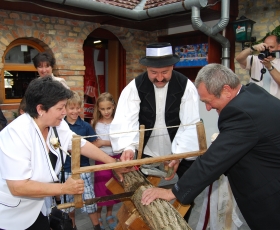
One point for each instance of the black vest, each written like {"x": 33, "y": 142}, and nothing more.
{"x": 147, "y": 114}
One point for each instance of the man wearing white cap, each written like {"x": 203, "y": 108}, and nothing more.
{"x": 158, "y": 98}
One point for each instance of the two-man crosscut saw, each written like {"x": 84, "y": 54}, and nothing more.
{"x": 121, "y": 196}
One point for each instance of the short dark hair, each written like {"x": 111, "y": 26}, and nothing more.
{"x": 44, "y": 57}
{"x": 44, "y": 91}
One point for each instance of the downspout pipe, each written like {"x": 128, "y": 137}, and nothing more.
{"x": 213, "y": 32}
{"x": 136, "y": 14}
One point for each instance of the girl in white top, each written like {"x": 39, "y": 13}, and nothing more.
{"x": 103, "y": 115}
{"x": 28, "y": 171}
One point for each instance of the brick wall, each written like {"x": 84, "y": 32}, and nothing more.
{"x": 65, "y": 38}
{"x": 266, "y": 14}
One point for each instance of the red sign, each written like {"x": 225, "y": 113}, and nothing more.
{"x": 88, "y": 110}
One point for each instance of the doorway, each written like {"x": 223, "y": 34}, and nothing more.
{"x": 105, "y": 62}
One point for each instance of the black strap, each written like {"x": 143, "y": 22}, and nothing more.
{"x": 263, "y": 71}
{"x": 62, "y": 162}
{"x": 251, "y": 62}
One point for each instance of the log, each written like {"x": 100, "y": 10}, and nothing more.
{"x": 133, "y": 180}
{"x": 160, "y": 214}
{"x": 128, "y": 216}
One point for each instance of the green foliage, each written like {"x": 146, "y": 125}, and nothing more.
{"x": 15, "y": 115}
{"x": 276, "y": 32}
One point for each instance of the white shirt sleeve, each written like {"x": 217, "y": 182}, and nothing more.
{"x": 61, "y": 80}
{"x": 16, "y": 151}
{"x": 186, "y": 139}
{"x": 125, "y": 125}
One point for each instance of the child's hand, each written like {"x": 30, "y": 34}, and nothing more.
{"x": 120, "y": 171}
{"x": 127, "y": 155}
{"x": 99, "y": 143}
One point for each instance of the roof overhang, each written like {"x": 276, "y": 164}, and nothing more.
{"x": 162, "y": 17}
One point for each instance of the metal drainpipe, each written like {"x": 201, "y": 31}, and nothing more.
{"x": 213, "y": 32}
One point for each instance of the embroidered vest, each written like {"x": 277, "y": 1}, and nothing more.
{"x": 147, "y": 114}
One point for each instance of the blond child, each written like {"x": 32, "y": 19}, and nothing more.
{"x": 82, "y": 128}
{"x": 102, "y": 117}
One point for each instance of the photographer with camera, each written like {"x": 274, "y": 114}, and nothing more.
{"x": 264, "y": 69}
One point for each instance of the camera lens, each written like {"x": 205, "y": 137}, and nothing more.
{"x": 261, "y": 56}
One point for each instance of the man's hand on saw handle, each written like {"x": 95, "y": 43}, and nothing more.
{"x": 172, "y": 165}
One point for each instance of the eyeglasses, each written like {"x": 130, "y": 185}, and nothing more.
{"x": 263, "y": 71}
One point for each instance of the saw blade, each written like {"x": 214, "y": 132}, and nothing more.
{"x": 109, "y": 198}
{"x": 120, "y": 196}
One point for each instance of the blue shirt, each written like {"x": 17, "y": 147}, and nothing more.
{"x": 81, "y": 128}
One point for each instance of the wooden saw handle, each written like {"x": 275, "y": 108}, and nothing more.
{"x": 66, "y": 205}
{"x": 141, "y": 141}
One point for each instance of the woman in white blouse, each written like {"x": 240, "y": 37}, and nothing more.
{"x": 29, "y": 163}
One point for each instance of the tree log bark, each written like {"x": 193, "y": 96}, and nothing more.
{"x": 133, "y": 180}
{"x": 160, "y": 214}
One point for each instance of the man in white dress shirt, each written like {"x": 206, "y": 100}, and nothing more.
{"x": 158, "y": 98}
{"x": 265, "y": 72}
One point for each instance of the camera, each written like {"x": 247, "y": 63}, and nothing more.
{"x": 264, "y": 54}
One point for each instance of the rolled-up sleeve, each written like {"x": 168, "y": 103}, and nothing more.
{"x": 125, "y": 125}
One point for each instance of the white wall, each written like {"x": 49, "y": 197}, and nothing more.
{"x": 210, "y": 120}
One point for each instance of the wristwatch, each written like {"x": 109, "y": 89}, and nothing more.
{"x": 271, "y": 68}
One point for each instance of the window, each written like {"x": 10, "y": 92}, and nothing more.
{"x": 18, "y": 69}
